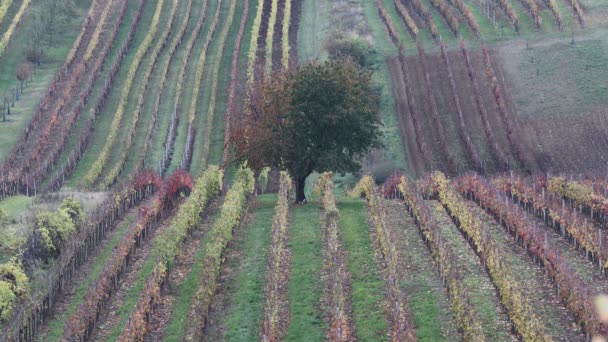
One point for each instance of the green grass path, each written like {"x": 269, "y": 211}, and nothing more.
{"x": 366, "y": 284}
{"x": 243, "y": 318}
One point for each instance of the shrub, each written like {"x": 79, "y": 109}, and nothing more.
{"x": 339, "y": 45}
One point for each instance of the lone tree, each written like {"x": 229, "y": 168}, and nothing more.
{"x": 320, "y": 117}
{"x": 24, "y": 70}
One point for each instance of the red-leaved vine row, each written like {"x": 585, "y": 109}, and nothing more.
{"x": 572, "y": 290}
{"x": 468, "y": 15}
{"x": 437, "y": 121}
{"x": 35, "y": 310}
{"x": 483, "y": 113}
{"x": 512, "y": 134}
{"x": 465, "y": 137}
{"x": 388, "y": 22}
{"x": 407, "y": 18}
{"x": 275, "y": 314}
{"x": 397, "y": 307}
{"x": 57, "y": 181}
{"x": 508, "y": 8}
{"x": 563, "y": 218}
{"x": 447, "y": 13}
{"x": 81, "y": 323}
{"x": 424, "y": 12}
{"x": 416, "y": 116}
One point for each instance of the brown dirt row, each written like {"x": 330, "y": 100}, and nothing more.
{"x": 277, "y": 49}
{"x": 296, "y": 13}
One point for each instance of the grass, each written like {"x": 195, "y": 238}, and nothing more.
{"x": 21, "y": 114}
{"x": 304, "y": 289}
{"x": 16, "y": 205}
{"x": 366, "y": 284}
{"x": 314, "y": 27}
{"x": 243, "y": 319}
{"x": 56, "y": 325}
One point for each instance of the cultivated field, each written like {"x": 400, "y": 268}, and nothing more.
{"x": 123, "y": 217}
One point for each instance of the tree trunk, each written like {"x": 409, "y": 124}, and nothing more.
{"x": 300, "y": 195}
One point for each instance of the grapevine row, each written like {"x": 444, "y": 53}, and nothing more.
{"x": 167, "y": 247}
{"x": 508, "y": 8}
{"x": 213, "y": 97}
{"x": 232, "y": 105}
{"x": 561, "y": 217}
{"x": 161, "y": 86}
{"x": 409, "y": 22}
{"x": 253, "y": 44}
{"x": 72, "y": 54}
{"x": 274, "y": 4}
{"x": 532, "y": 7}
{"x": 483, "y": 113}
{"x": 81, "y": 322}
{"x": 464, "y": 132}
{"x": 438, "y": 123}
{"x": 396, "y": 303}
{"x": 469, "y": 16}
{"x": 386, "y": 18}
{"x": 581, "y": 194}
{"x": 4, "y": 8}
{"x": 95, "y": 38}
{"x": 528, "y": 325}
{"x": 38, "y": 175}
{"x": 170, "y": 138}
{"x": 415, "y": 113}
{"x": 424, "y": 12}
{"x": 279, "y": 260}
{"x": 219, "y": 236}
{"x": 200, "y": 69}
{"x": 448, "y": 14}
{"x": 578, "y": 11}
{"x": 285, "y": 36}
{"x": 512, "y": 134}
{"x": 334, "y": 266}
{"x": 6, "y": 37}
{"x": 573, "y": 291}
{"x": 126, "y": 146}
{"x": 556, "y": 13}
{"x": 103, "y": 157}
{"x": 445, "y": 258}
{"x": 29, "y": 317}
{"x": 56, "y": 182}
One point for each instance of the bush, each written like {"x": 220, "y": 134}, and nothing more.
{"x": 13, "y": 284}
{"x": 52, "y": 229}
{"x": 338, "y": 45}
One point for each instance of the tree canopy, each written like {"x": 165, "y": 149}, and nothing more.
{"x": 320, "y": 117}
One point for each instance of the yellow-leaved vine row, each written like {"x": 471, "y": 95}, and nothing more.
{"x": 126, "y": 147}
{"x": 512, "y": 296}
{"x": 4, "y": 8}
{"x": 213, "y": 97}
{"x": 334, "y": 266}
{"x": 167, "y": 246}
{"x": 97, "y": 167}
{"x": 253, "y": 45}
{"x": 279, "y": 260}
{"x": 396, "y": 304}
{"x": 219, "y": 236}
{"x": 556, "y": 13}
{"x": 95, "y": 38}
{"x": 272, "y": 20}
{"x": 163, "y": 79}
{"x": 467, "y": 318}
{"x": 83, "y": 30}
{"x": 285, "y": 37}
{"x": 6, "y": 37}
{"x": 409, "y": 22}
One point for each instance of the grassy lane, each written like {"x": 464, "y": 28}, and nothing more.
{"x": 11, "y": 130}
{"x": 245, "y": 288}
{"x": 428, "y": 298}
{"x": 102, "y": 125}
{"x": 314, "y": 26}
{"x": 366, "y": 283}
{"x": 483, "y": 293}
{"x": 559, "y": 323}
{"x": 305, "y": 286}
{"x": 94, "y": 269}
